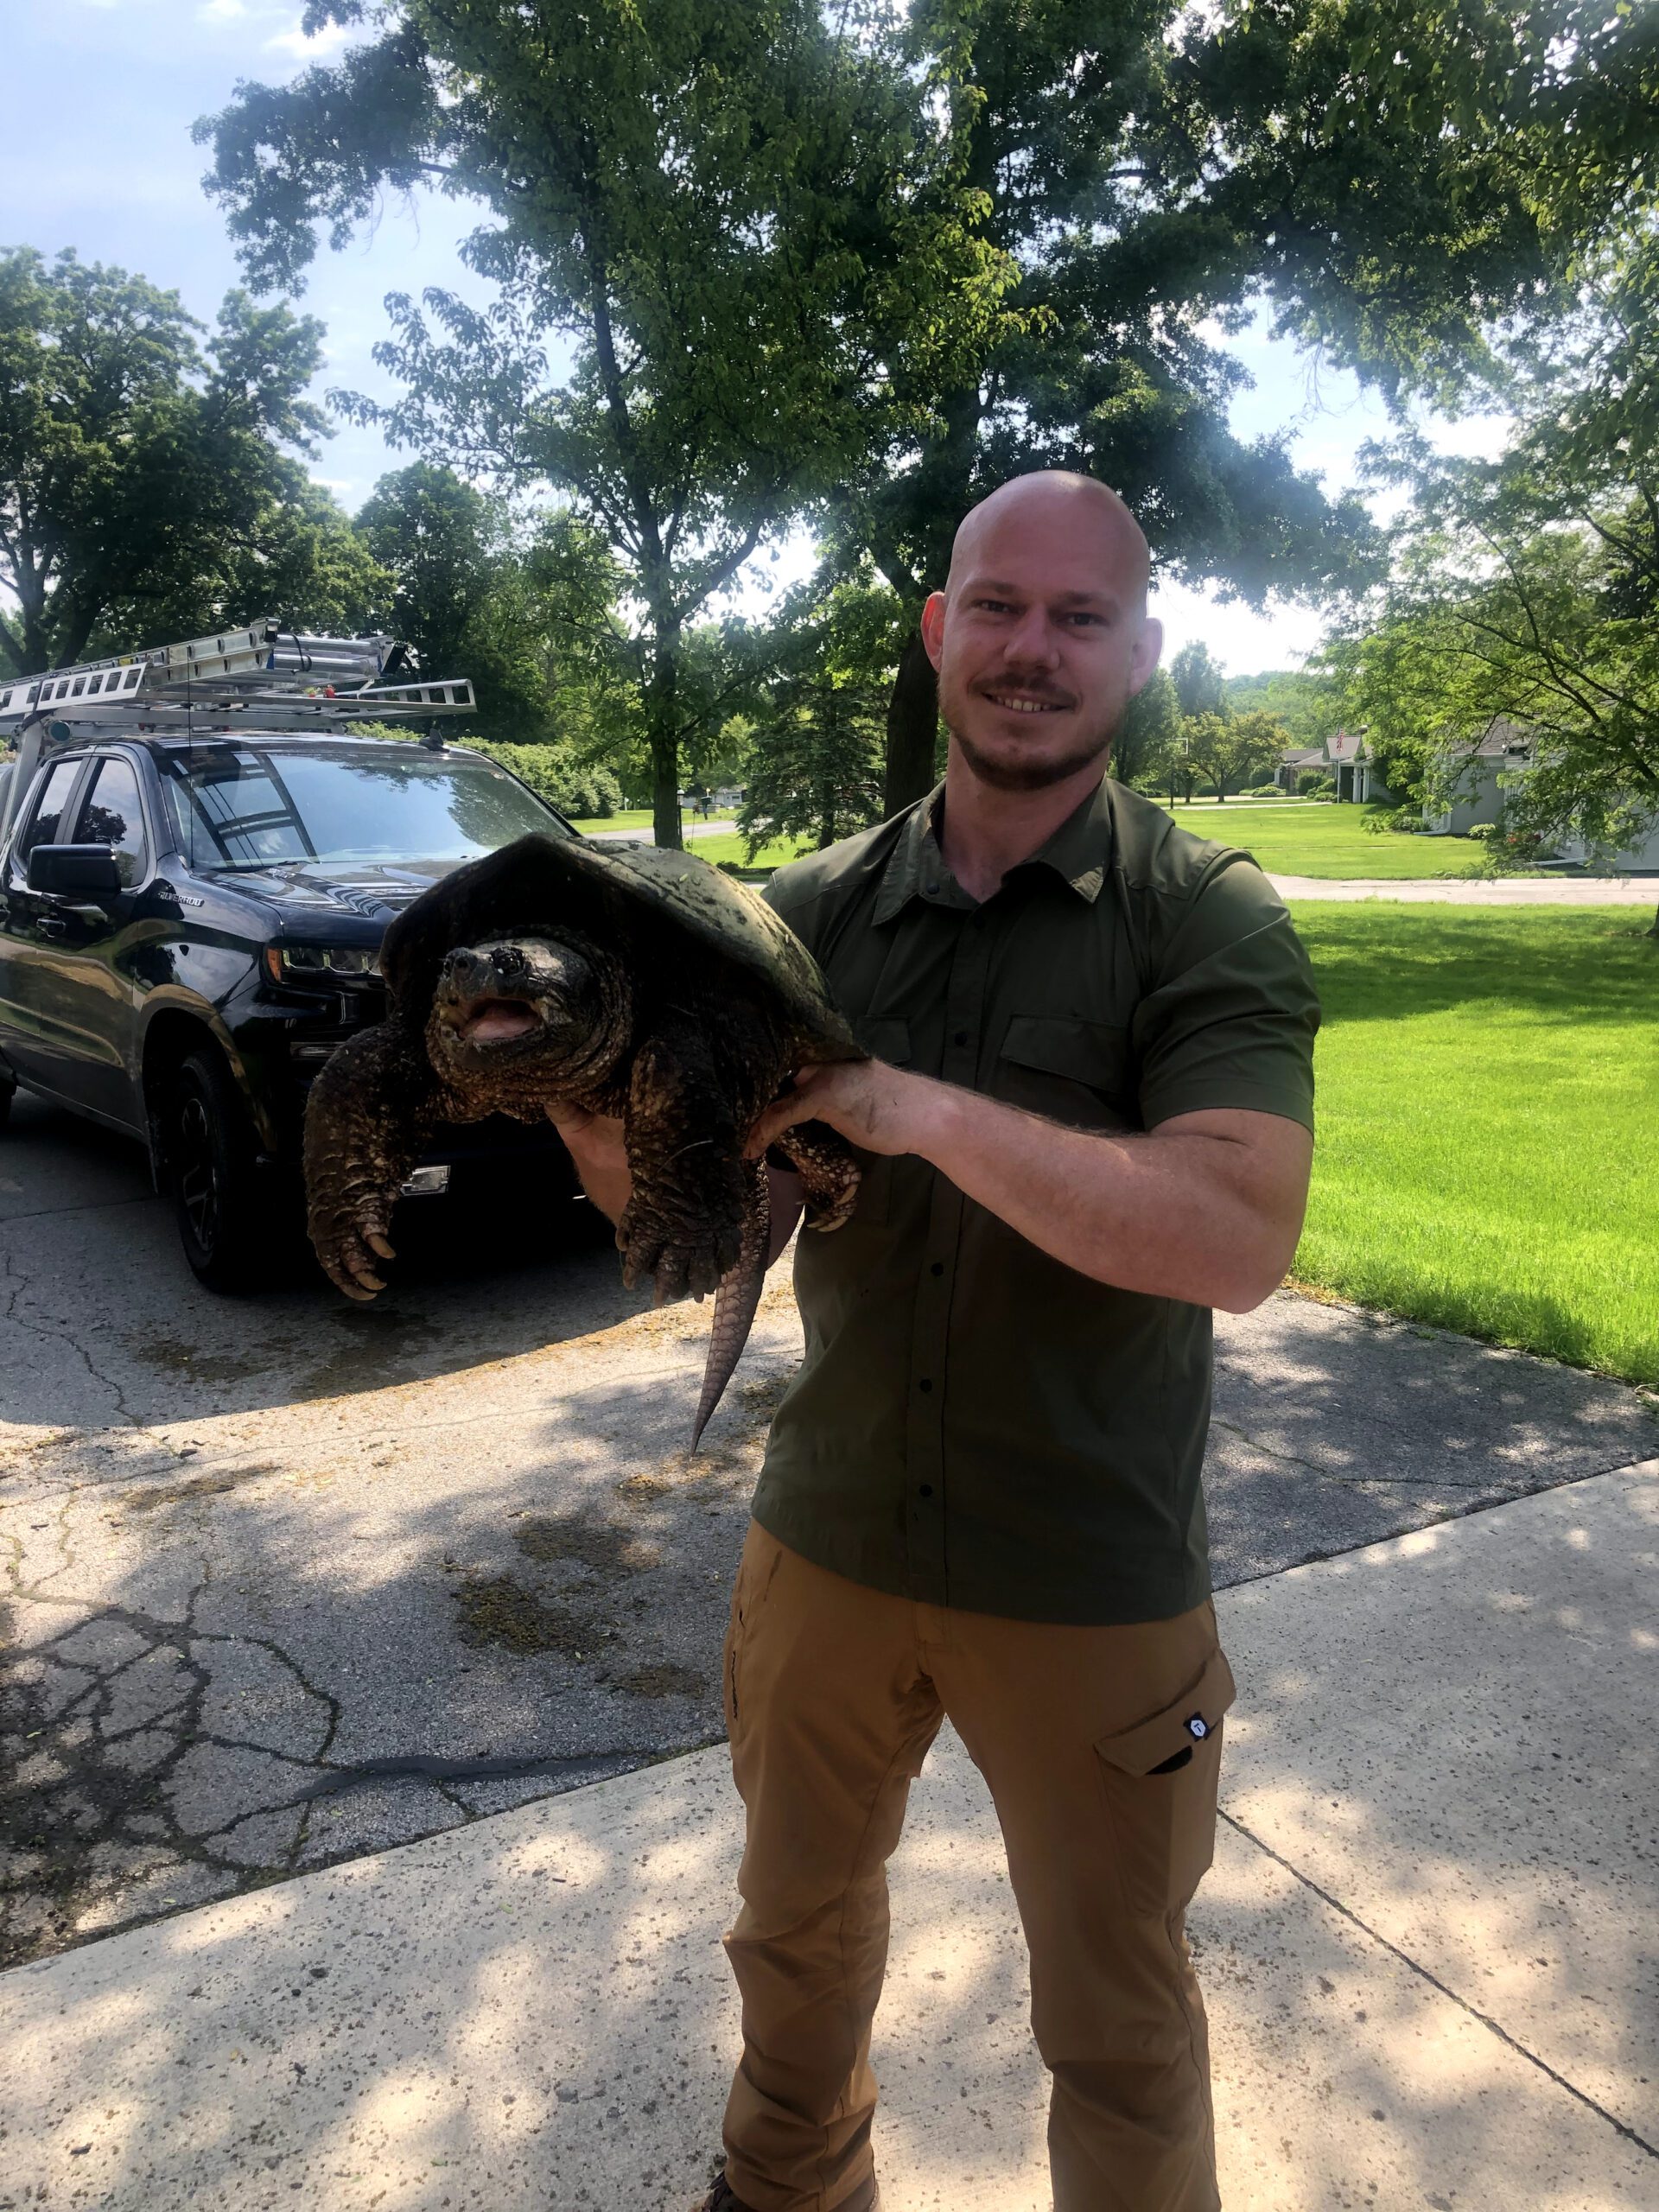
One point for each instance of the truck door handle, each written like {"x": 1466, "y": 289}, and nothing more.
{"x": 50, "y": 925}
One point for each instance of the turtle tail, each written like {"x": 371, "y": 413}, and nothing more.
{"x": 739, "y": 1296}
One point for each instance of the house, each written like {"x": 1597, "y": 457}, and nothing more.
{"x": 1487, "y": 763}
{"x": 1345, "y": 757}
{"x": 1301, "y": 760}
{"x": 1502, "y": 748}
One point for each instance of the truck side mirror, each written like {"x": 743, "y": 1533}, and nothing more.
{"x": 74, "y": 871}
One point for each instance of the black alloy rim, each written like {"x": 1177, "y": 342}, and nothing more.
{"x": 198, "y": 1173}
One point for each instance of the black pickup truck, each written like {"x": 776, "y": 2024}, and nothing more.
{"x": 189, "y": 927}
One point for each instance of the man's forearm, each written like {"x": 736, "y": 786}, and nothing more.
{"x": 1175, "y": 1213}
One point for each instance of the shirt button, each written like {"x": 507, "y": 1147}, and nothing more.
{"x": 938, "y": 1267}
{"x": 925, "y": 1384}
{"x": 961, "y": 1037}
{"x": 926, "y": 1490}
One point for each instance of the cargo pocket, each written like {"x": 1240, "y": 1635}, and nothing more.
{"x": 1079, "y": 1072}
{"x": 1160, "y": 1779}
{"x": 885, "y": 1037}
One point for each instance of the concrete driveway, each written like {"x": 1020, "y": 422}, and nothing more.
{"x": 286, "y": 1581}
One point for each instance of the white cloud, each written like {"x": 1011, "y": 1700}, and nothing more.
{"x": 1244, "y": 639}
{"x": 220, "y": 11}
{"x": 295, "y": 43}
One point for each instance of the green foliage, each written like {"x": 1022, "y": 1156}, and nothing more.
{"x": 1314, "y": 783}
{"x": 1487, "y": 1087}
{"x": 812, "y": 765}
{"x": 1228, "y": 749}
{"x": 577, "y": 788}
{"x": 679, "y": 192}
{"x": 1297, "y": 697}
{"x": 1199, "y": 681}
{"x": 1143, "y": 748}
{"x": 144, "y": 492}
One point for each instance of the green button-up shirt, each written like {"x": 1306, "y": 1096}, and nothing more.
{"x": 975, "y": 1423}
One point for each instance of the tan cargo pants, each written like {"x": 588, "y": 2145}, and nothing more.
{"x": 1101, "y": 1747}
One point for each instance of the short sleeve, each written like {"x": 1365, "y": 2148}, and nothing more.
{"x": 1233, "y": 1013}
{"x": 793, "y": 902}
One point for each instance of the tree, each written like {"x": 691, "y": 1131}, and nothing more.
{"x": 144, "y": 487}
{"x": 675, "y": 188}
{"x": 1143, "y": 748}
{"x": 1232, "y": 749}
{"x": 1199, "y": 681}
{"x": 1528, "y": 586}
{"x": 814, "y": 753}
{"x": 1371, "y": 167}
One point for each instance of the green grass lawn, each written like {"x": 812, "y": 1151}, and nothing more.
{"x": 1300, "y": 838}
{"x": 639, "y": 817}
{"x": 1488, "y": 1105}
{"x": 1289, "y": 837}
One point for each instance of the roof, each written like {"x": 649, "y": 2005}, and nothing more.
{"x": 1303, "y": 756}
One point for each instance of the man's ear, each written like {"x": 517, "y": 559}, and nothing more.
{"x": 1148, "y": 648}
{"x": 932, "y": 628}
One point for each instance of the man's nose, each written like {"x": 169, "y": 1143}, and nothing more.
{"x": 1033, "y": 643}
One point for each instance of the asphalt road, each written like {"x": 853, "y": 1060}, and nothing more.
{"x": 287, "y": 1581}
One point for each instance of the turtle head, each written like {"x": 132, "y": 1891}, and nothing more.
{"x": 552, "y": 1008}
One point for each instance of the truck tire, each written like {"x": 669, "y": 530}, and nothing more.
{"x": 226, "y": 1220}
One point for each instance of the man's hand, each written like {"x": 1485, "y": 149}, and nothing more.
{"x": 876, "y": 1107}
{"x": 595, "y": 1142}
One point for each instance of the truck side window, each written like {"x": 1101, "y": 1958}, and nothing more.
{"x": 42, "y": 825}
{"x": 114, "y": 815}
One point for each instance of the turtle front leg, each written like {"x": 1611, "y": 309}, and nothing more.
{"x": 828, "y": 1167}
{"x": 684, "y": 1224}
{"x": 367, "y": 1122}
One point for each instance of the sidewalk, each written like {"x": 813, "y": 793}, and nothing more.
{"x": 1430, "y": 1944}
{"x": 1479, "y": 891}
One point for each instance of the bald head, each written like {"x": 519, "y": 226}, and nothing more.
{"x": 1041, "y": 636}
{"x": 1092, "y": 518}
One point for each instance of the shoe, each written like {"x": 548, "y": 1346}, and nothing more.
{"x": 721, "y": 2198}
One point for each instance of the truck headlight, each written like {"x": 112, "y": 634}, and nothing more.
{"x": 319, "y": 964}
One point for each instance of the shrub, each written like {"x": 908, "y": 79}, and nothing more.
{"x": 1314, "y": 783}
{"x": 1401, "y": 821}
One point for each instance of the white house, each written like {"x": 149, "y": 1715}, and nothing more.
{"x": 1345, "y": 757}
{"x": 1503, "y": 750}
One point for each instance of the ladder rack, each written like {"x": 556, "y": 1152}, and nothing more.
{"x": 263, "y": 679}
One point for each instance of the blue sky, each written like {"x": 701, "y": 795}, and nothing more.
{"x": 104, "y": 93}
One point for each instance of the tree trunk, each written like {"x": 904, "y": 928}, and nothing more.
{"x": 1654, "y": 932}
{"x": 663, "y": 734}
{"x": 913, "y": 728}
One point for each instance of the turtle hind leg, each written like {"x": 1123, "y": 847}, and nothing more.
{"x": 828, "y": 1171}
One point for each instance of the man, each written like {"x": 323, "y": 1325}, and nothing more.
{"x": 1087, "y": 1122}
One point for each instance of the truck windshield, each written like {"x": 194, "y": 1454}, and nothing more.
{"x": 238, "y": 805}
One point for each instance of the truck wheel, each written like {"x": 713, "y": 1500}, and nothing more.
{"x": 224, "y": 1208}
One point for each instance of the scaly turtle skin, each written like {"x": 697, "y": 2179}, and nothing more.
{"x": 637, "y": 983}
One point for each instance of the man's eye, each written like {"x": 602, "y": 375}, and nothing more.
{"x": 1082, "y": 616}
{"x": 995, "y": 606}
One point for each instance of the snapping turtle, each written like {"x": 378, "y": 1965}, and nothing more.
{"x": 635, "y": 982}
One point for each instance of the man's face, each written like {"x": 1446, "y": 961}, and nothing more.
{"x": 1041, "y": 640}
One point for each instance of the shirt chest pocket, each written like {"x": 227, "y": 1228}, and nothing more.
{"x": 1072, "y": 1071}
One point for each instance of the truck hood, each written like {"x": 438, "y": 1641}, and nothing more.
{"x": 303, "y": 891}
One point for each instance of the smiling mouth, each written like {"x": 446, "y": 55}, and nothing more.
{"x": 1016, "y": 702}
{"x": 497, "y": 1021}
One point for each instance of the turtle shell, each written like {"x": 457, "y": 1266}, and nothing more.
{"x": 627, "y": 891}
